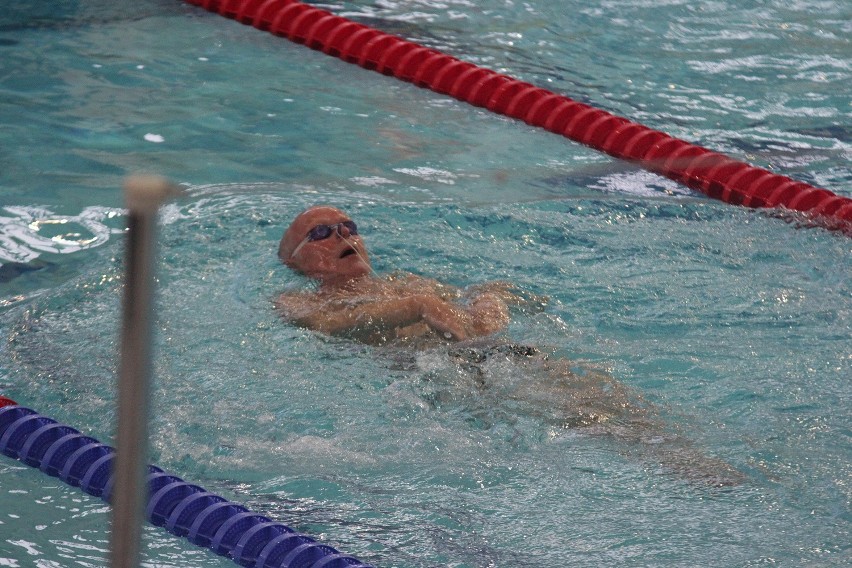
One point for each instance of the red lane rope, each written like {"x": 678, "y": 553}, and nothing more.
{"x": 711, "y": 173}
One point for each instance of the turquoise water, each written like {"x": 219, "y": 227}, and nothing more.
{"x": 734, "y": 325}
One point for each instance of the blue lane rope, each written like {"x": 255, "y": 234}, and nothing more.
{"x": 185, "y": 510}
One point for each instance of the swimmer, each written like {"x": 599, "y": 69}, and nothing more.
{"x": 324, "y": 244}
{"x": 458, "y": 326}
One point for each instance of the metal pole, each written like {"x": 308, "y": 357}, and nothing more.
{"x": 143, "y": 196}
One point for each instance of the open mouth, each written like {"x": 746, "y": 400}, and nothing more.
{"x": 348, "y": 252}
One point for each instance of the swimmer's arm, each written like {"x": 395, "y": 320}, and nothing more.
{"x": 391, "y": 313}
{"x": 511, "y": 295}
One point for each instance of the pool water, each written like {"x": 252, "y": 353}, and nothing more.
{"x": 733, "y": 325}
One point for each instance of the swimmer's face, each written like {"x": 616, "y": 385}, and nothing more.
{"x": 323, "y": 243}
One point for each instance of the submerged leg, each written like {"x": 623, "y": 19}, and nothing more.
{"x": 560, "y": 394}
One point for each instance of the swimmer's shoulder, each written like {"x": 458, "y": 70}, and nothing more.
{"x": 297, "y": 305}
{"x": 301, "y": 304}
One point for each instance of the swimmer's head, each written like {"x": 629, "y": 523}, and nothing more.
{"x": 323, "y": 243}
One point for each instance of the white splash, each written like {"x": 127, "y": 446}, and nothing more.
{"x": 643, "y": 183}
{"x": 33, "y": 231}
{"x": 430, "y": 174}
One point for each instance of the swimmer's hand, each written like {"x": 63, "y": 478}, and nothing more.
{"x": 510, "y": 293}
{"x": 444, "y": 317}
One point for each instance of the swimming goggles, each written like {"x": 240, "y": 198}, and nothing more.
{"x": 321, "y": 232}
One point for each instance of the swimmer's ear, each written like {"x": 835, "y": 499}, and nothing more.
{"x": 282, "y": 254}
{"x": 288, "y": 262}
{"x": 286, "y": 256}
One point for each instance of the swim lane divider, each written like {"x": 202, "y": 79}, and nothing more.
{"x": 184, "y": 509}
{"x": 711, "y": 173}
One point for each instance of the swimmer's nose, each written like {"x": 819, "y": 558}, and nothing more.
{"x": 343, "y": 231}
